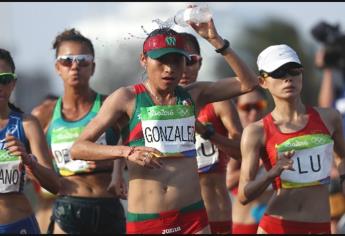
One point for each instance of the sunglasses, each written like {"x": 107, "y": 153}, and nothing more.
{"x": 82, "y": 60}
{"x": 6, "y": 78}
{"x": 259, "y": 106}
{"x": 194, "y": 58}
{"x": 282, "y": 73}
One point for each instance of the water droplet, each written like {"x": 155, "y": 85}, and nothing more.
{"x": 145, "y": 31}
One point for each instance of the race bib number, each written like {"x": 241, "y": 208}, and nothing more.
{"x": 170, "y": 129}
{"x": 312, "y": 161}
{"x": 10, "y": 172}
{"x": 207, "y": 153}
{"x": 62, "y": 143}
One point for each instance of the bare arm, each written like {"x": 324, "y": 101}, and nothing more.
{"x": 115, "y": 107}
{"x": 44, "y": 113}
{"x": 326, "y": 95}
{"x": 252, "y": 141}
{"x": 227, "y": 112}
{"x": 233, "y": 173}
{"x": 245, "y": 81}
{"x": 43, "y": 169}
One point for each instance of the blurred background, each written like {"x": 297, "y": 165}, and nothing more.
{"x": 117, "y": 30}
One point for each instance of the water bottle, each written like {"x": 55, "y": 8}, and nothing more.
{"x": 198, "y": 14}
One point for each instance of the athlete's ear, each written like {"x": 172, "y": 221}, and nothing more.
{"x": 262, "y": 82}
{"x": 143, "y": 60}
{"x": 57, "y": 68}
{"x": 93, "y": 68}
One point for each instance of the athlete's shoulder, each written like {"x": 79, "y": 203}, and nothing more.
{"x": 42, "y": 108}
{"x": 255, "y": 128}
{"x": 328, "y": 113}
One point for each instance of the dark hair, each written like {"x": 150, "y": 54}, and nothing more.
{"x": 6, "y": 55}
{"x": 190, "y": 38}
{"x": 14, "y": 108}
{"x": 72, "y": 35}
{"x": 51, "y": 97}
{"x": 164, "y": 30}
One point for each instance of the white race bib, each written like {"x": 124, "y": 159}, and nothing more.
{"x": 61, "y": 152}
{"x": 10, "y": 173}
{"x": 170, "y": 129}
{"x": 312, "y": 161}
{"x": 207, "y": 152}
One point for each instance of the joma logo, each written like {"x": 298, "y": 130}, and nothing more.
{"x": 171, "y": 230}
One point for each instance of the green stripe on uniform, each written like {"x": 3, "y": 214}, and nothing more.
{"x": 166, "y": 112}
{"x": 304, "y": 142}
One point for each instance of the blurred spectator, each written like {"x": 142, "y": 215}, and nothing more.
{"x": 332, "y": 94}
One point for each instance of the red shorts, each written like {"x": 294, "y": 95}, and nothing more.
{"x": 221, "y": 227}
{"x": 244, "y": 228}
{"x": 187, "y": 220}
{"x": 273, "y": 225}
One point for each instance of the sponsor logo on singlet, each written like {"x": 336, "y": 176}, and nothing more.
{"x": 171, "y": 230}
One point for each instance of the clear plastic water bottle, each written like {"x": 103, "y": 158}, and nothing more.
{"x": 198, "y": 14}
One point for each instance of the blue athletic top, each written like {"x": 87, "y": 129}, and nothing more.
{"x": 12, "y": 172}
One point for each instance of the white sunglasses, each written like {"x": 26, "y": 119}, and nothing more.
{"x": 82, "y": 60}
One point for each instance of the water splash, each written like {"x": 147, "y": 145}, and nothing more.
{"x": 164, "y": 24}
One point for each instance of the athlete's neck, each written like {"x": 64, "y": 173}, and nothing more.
{"x": 160, "y": 96}
{"x": 288, "y": 111}
{"x": 4, "y": 112}
{"x": 75, "y": 98}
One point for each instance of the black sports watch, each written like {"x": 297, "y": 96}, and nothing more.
{"x": 210, "y": 131}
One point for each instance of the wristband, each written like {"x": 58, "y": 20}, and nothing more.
{"x": 210, "y": 131}
{"x": 225, "y": 46}
{"x": 130, "y": 152}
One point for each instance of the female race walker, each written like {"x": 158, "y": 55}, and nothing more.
{"x": 157, "y": 118}
{"x": 296, "y": 143}
{"x": 23, "y": 153}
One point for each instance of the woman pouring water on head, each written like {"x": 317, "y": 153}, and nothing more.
{"x": 296, "y": 144}
{"x": 157, "y": 119}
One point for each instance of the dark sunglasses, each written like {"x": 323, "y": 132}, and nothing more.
{"x": 194, "y": 58}
{"x": 282, "y": 73}
{"x": 6, "y": 78}
{"x": 82, "y": 60}
{"x": 259, "y": 106}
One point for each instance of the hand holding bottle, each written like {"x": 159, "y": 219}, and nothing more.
{"x": 193, "y": 14}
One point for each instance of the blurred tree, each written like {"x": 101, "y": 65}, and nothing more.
{"x": 273, "y": 31}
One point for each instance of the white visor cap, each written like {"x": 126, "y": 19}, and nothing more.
{"x": 275, "y": 56}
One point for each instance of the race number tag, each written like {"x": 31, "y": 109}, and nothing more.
{"x": 207, "y": 153}
{"x": 63, "y": 139}
{"x": 312, "y": 160}
{"x": 10, "y": 172}
{"x": 170, "y": 129}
